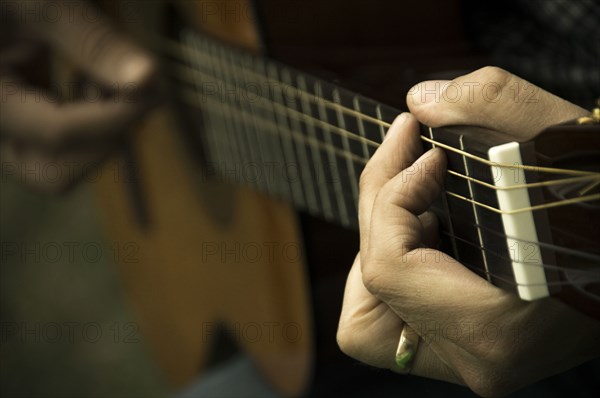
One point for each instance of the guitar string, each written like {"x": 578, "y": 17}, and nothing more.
{"x": 528, "y": 264}
{"x": 594, "y": 177}
{"x": 554, "y": 247}
{"x": 551, "y": 246}
{"x": 545, "y": 266}
{"x": 487, "y": 250}
{"x": 192, "y": 97}
{"x": 515, "y": 284}
{"x": 169, "y": 44}
{"x": 483, "y": 183}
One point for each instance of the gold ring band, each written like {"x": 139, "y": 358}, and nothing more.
{"x": 407, "y": 349}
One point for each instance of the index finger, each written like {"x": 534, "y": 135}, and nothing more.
{"x": 484, "y": 98}
{"x": 398, "y": 151}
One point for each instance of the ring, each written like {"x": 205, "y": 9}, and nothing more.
{"x": 407, "y": 349}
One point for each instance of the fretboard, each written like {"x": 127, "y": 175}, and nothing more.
{"x": 285, "y": 132}
{"x": 304, "y": 140}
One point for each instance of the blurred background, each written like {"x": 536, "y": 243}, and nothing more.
{"x": 67, "y": 329}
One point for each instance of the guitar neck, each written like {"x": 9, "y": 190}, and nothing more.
{"x": 285, "y": 132}
{"x": 304, "y": 140}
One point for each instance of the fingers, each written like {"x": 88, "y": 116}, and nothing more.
{"x": 398, "y": 270}
{"x": 49, "y": 145}
{"x": 493, "y": 98}
{"x": 367, "y": 327}
{"x": 85, "y": 36}
{"x": 399, "y": 149}
{"x": 31, "y": 117}
{"x": 369, "y": 332}
{"x": 401, "y": 199}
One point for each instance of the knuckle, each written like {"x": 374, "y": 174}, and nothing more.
{"x": 372, "y": 278}
{"x": 494, "y": 74}
{"x": 349, "y": 341}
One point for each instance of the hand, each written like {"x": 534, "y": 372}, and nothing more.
{"x": 46, "y": 138}
{"x": 472, "y": 332}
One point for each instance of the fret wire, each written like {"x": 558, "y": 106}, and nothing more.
{"x": 382, "y": 124}
{"x": 235, "y": 132}
{"x": 316, "y": 153}
{"x": 548, "y": 266}
{"x": 223, "y": 137}
{"x": 275, "y": 142}
{"x": 220, "y": 133}
{"x": 242, "y": 123}
{"x": 346, "y": 145}
{"x": 257, "y": 137}
{"x": 342, "y": 153}
{"x": 316, "y": 99}
{"x": 272, "y": 127}
{"x": 207, "y": 118}
{"x": 361, "y": 127}
{"x": 286, "y": 109}
{"x": 447, "y": 213}
{"x": 491, "y": 186}
{"x": 231, "y": 141}
{"x": 475, "y": 213}
{"x": 379, "y": 121}
{"x": 288, "y": 149}
{"x": 253, "y": 137}
{"x": 573, "y": 180}
{"x": 590, "y": 175}
{"x": 337, "y": 183}
{"x": 552, "y": 204}
{"x": 301, "y": 151}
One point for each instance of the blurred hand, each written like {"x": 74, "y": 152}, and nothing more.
{"x": 49, "y": 136}
{"x": 472, "y": 332}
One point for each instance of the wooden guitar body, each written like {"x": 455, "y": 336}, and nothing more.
{"x": 193, "y": 273}
{"x": 209, "y": 257}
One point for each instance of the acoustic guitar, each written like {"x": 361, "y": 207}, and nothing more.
{"x": 229, "y": 181}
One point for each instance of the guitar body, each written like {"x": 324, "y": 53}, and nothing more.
{"x": 209, "y": 257}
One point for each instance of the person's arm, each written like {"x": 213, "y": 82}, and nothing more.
{"x": 472, "y": 332}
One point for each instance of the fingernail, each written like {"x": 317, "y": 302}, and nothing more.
{"x": 426, "y": 92}
{"x": 430, "y": 153}
{"x": 395, "y": 127}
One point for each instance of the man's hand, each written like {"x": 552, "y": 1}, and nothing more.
{"x": 46, "y": 138}
{"x": 472, "y": 333}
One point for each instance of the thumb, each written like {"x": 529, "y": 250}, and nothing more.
{"x": 492, "y": 98}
